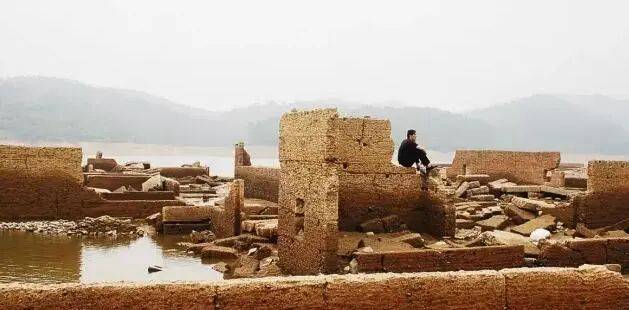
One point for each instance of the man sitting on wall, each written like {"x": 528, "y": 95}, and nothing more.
{"x": 410, "y": 153}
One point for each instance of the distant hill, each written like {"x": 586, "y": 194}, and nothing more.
{"x": 558, "y": 123}
{"x": 51, "y": 109}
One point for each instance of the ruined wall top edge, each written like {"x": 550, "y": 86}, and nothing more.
{"x": 608, "y": 176}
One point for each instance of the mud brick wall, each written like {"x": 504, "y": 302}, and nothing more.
{"x": 573, "y": 253}
{"x": 473, "y": 258}
{"x": 125, "y": 208}
{"x": 593, "y": 287}
{"x": 39, "y": 182}
{"x": 226, "y": 219}
{"x": 354, "y": 155}
{"x": 519, "y": 167}
{"x": 606, "y": 200}
{"x": 115, "y": 181}
{"x": 260, "y": 182}
{"x": 241, "y": 157}
{"x": 182, "y": 172}
{"x": 106, "y": 164}
{"x": 308, "y": 218}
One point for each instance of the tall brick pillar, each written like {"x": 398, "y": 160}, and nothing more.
{"x": 241, "y": 157}
{"x": 308, "y": 194}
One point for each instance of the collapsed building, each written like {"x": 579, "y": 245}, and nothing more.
{"x": 338, "y": 205}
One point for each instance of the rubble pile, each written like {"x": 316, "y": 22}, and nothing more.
{"x": 100, "y": 226}
{"x": 242, "y": 256}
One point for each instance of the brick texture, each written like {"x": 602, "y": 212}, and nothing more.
{"x": 519, "y": 167}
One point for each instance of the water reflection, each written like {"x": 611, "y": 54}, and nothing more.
{"x": 35, "y": 258}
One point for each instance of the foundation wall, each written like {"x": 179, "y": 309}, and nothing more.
{"x": 473, "y": 258}
{"x": 115, "y": 181}
{"x": 519, "y": 167}
{"x": 606, "y": 200}
{"x": 260, "y": 182}
{"x": 182, "y": 172}
{"x": 536, "y": 288}
{"x": 573, "y": 253}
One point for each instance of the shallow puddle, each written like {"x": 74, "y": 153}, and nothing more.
{"x": 36, "y": 258}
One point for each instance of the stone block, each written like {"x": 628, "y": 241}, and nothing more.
{"x": 180, "y": 214}
{"x": 494, "y": 222}
{"x": 218, "y": 252}
{"x": 545, "y": 222}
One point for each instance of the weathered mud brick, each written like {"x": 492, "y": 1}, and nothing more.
{"x": 605, "y": 202}
{"x": 186, "y": 213}
{"x": 308, "y": 216}
{"x": 226, "y": 219}
{"x": 520, "y": 167}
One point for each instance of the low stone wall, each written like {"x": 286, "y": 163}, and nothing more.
{"x": 606, "y": 200}
{"x": 181, "y": 172}
{"x": 39, "y": 182}
{"x": 114, "y": 181}
{"x": 593, "y": 287}
{"x": 260, "y": 182}
{"x": 519, "y": 167}
{"x": 473, "y": 258}
{"x": 47, "y": 183}
{"x": 106, "y": 164}
{"x": 123, "y": 208}
{"x": 573, "y": 253}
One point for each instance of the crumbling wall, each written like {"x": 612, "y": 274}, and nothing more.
{"x": 308, "y": 195}
{"x": 260, "y": 182}
{"x": 241, "y": 157}
{"x": 115, "y": 181}
{"x": 106, "y": 164}
{"x": 472, "y": 258}
{"x": 593, "y": 287}
{"x": 39, "y": 182}
{"x": 47, "y": 183}
{"x": 573, "y": 253}
{"x": 182, "y": 172}
{"x": 324, "y": 157}
{"x": 226, "y": 219}
{"x": 606, "y": 200}
{"x": 519, "y": 167}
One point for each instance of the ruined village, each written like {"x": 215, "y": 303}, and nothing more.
{"x": 338, "y": 224}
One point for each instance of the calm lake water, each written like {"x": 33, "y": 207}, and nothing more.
{"x": 36, "y": 258}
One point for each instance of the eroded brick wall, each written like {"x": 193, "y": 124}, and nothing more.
{"x": 47, "y": 183}
{"x": 226, "y": 219}
{"x": 606, "y": 201}
{"x": 592, "y": 287}
{"x": 473, "y": 258}
{"x": 519, "y": 167}
{"x": 324, "y": 157}
{"x": 308, "y": 195}
{"x": 39, "y": 182}
{"x": 260, "y": 182}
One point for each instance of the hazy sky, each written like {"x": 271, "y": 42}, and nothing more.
{"x": 219, "y": 54}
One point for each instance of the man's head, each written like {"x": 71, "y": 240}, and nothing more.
{"x": 411, "y": 134}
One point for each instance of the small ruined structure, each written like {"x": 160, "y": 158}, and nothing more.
{"x": 607, "y": 198}
{"x": 260, "y": 182}
{"x": 519, "y": 167}
{"x": 336, "y": 173}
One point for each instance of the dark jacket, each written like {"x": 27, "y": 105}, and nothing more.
{"x": 409, "y": 154}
